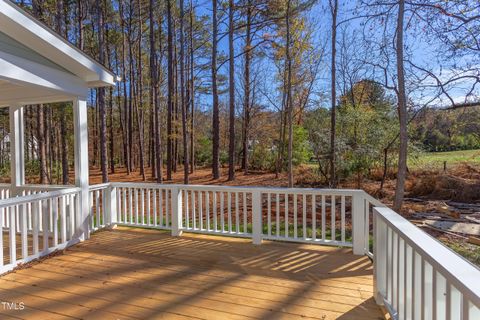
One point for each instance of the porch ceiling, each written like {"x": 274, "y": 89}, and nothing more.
{"x": 14, "y": 93}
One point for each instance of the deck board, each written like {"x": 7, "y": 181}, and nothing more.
{"x": 130, "y": 273}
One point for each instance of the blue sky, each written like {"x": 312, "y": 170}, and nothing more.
{"x": 422, "y": 54}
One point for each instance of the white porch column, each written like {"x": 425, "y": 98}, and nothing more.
{"x": 81, "y": 164}
{"x": 17, "y": 143}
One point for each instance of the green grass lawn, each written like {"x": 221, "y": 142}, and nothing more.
{"x": 434, "y": 160}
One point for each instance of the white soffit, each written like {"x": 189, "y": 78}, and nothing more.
{"x": 30, "y": 33}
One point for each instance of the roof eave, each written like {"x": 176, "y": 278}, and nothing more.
{"x": 42, "y": 39}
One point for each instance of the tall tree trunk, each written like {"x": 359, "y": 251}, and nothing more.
{"x": 139, "y": 105}
{"x": 158, "y": 137}
{"x": 216, "y": 111}
{"x": 182, "y": 95}
{"x": 231, "y": 91}
{"x": 333, "y": 177}
{"x": 125, "y": 127}
{"x": 131, "y": 94}
{"x": 246, "y": 108}
{"x": 170, "y": 90}
{"x": 110, "y": 103}
{"x": 402, "y": 110}
{"x": 192, "y": 94}
{"x": 101, "y": 94}
{"x": 289, "y": 99}
{"x": 153, "y": 91}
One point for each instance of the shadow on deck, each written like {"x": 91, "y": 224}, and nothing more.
{"x": 147, "y": 274}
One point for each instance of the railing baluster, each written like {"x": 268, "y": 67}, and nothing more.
{"x": 187, "y": 209}
{"x": 207, "y": 207}
{"x": 237, "y": 214}
{"x": 103, "y": 218}
{"x": 277, "y": 212}
{"x": 324, "y": 219}
{"x": 443, "y": 297}
{"x": 427, "y": 291}
{"x": 161, "y": 207}
{"x": 119, "y": 205}
{"x": 214, "y": 200}
{"x": 454, "y": 303}
{"x": 342, "y": 223}
{"x": 168, "y": 196}
{"x": 63, "y": 220}
{"x": 29, "y": 215}
{"x": 72, "y": 216}
{"x": 12, "y": 240}
{"x": 200, "y": 208}
{"x": 125, "y": 210}
{"x": 142, "y": 205}
{"x": 54, "y": 206}
{"x": 304, "y": 218}
{"x": 285, "y": 201}
{"x": 389, "y": 263}
{"x": 332, "y": 214}
{"x": 229, "y": 210}
{"x": 45, "y": 224}
{"x": 295, "y": 218}
{"x": 408, "y": 281}
{"x": 367, "y": 225}
{"x": 245, "y": 216}
{"x": 2, "y": 220}
{"x": 155, "y": 222}
{"x": 136, "y": 207}
{"x": 222, "y": 217}
{"x": 24, "y": 229}
{"x": 314, "y": 218}
{"x": 401, "y": 278}
{"x": 149, "y": 223}
{"x": 194, "y": 211}
{"x": 269, "y": 214}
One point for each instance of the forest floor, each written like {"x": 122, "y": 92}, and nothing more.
{"x": 437, "y": 201}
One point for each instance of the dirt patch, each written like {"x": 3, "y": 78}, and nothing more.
{"x": 446, "y": 187}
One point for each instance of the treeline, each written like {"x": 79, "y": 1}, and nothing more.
{"x": 167, "y": 58}
{"x": 250, "y": 84}
{"x": 447, "y": 130}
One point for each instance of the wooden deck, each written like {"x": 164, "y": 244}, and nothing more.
{"x": 146, "y": 274}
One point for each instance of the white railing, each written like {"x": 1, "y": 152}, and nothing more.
{"x": 7, "y": 192}
{"x": 36, "y": 225}
{"x": 324, "y": 216}
{"x": 147, "y": 205}
{"x": 417, "y": 277}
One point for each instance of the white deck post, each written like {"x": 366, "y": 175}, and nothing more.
{"x": 80, "y": 124}
{"x": 380, "y": 258}
{"x": 257, "y": 217}
{"x": 177, "y": 210}
{"x": 111, "y": 206}
{"x": 358, "y": 220}
{"x": 17, "y": 142}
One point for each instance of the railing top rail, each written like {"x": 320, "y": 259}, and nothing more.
{"x": 46, "y": 186}
{"x": 38, "y": 186}
{"x": 458, "y": 271}
{"x": 239, "y": 188}
{"x": 37, "y": 197}
{"x": 99, "y": 186}
{"x": 373, "y": 201}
